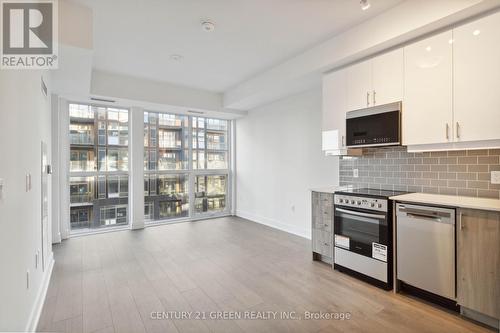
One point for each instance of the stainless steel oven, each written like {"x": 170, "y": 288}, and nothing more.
{"x": 363, "y": 235}
{"x": 375, "y": 126}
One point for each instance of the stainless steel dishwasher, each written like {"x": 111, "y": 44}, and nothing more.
{"x": 426, "y": 248}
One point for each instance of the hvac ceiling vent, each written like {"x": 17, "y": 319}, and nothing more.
{"x": 102, "y": 100}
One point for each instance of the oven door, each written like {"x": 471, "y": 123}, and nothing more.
{"x": 358, "y": 230}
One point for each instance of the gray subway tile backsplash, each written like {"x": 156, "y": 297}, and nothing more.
{"x": 459, "y": 172}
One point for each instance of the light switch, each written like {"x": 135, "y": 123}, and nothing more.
{"x": 495, "y": 177}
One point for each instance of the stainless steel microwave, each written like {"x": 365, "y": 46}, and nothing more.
{"x": 374, "y": 127}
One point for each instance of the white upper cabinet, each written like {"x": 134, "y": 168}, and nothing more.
{"x": 428, "y": 107}
{"x": 334, "y": 110}
{"x": 359, "y": 86}
{"x": 387, "y": 70}
{"x": 376, "y": 81}
{"x": 476, "y": 79}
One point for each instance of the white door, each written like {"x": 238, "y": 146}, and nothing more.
{"x": 359, "y": 86}
{"x": 427, "y": 108}
{"x": 476, "y": 79}
{"x": 388, "y": 77}
{"x": 334, "y": 109}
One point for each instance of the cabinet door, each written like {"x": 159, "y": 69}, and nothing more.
{"x": 322, "y": 242}
{"x": 427, "y": 109}
{"x": 334, "y": 108}
{"x": 359, "y": 86}
{"x": 476, "y": 78}
{"x": 317, "y": 217}
{"x": 478, "y": 262}
{"x": 388, "y": 78}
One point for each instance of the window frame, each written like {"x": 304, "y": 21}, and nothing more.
{"x": 191, "y": 171}
{"x": 101, "y": 174}
{"x": 100, "y": 140}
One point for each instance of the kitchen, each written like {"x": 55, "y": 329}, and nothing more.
{"x": 417, "y": 208}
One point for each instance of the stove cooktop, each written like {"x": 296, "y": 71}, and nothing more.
{"x": 372, "y": 192}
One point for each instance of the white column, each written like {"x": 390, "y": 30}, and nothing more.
{"x": 136, "y": 173}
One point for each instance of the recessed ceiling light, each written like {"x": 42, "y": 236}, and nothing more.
{"x": 450, "y": 41}
{"x": 176, "y": 57}
{"x": 428, "y": 49}
{"x": 207, "y": 25}
{"x": 476, "y": 32}
{"x": 365, "y": 4}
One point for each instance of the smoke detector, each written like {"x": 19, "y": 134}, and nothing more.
{"x": 207, "y": 26}
{"x": 365, "y": 4}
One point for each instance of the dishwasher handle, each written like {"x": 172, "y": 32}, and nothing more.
{"x": 428, "y": 213}
{"x": 424, "y": 217}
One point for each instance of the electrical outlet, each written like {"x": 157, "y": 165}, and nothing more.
{"x": 355, "y": 173}
{"x": 495, "y": 177}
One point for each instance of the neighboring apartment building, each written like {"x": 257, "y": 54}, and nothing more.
{"x": 99, "y": 166}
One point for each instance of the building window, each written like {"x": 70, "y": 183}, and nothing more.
{"x": 210, "y": 147}
{"x": 98, "y": 166}
{"x": 166, "y": 150}
{"x": 210, "y": 193}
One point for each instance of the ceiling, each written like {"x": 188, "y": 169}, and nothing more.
{"x": 137, "y": 37}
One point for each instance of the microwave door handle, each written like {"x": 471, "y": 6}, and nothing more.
{"x": 376, "y": 216}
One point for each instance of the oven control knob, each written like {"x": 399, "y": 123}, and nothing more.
{"x": 372, "y": 204}
{"x": 341, "y": 200}
{"x": 352, "y": 202}
{"x": 359, "y": 203}
{"x": 379, "y": 205}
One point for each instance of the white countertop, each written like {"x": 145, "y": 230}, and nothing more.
{"x": 450, "y": 201}
{"x": 331, "y": 189}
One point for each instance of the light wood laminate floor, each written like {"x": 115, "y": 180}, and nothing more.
{"x": 112, "y": 282}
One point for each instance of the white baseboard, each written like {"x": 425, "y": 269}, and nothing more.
{"x": 36, "y": 311}
{"x": 273, "y": 223}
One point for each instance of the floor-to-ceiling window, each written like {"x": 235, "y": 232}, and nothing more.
{"x": 166, "y": 165}
{"x": 186, "y": 166}
{"x": 210, "y": 162}
{"x": 176, "y": 166}
{"x": 98, "y": 167}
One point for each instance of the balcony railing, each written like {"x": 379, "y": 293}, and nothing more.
{"x": 81, "y": 198}
{"x": 79, "y": 166}
{"x": 216, "y": 146}
{"x": 81, "y": 139}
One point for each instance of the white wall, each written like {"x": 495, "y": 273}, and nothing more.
{"x": 278, "y": 159}
{"x": 24, "y": 123}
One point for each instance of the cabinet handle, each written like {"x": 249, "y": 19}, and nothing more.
{"x": 374, "y": 100}
{"x": 367, "y": 98}
{"x": 327, "y": 244}
{"x": 447, "y": 131}
{"x": 326, "y": 225}
{"x": 460, "y": 223}
{"x": 458, "y": 130}
{"x": 343, "y": 138}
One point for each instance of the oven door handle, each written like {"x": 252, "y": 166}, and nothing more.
{"x": 360, "y": 214}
